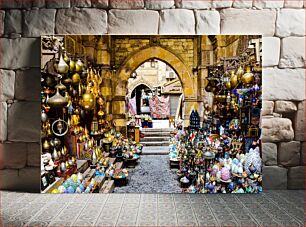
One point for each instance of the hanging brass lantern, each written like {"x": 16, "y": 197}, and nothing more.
{"x": 79, "y": 65}
{"x": 71, "y": 65}
{"x": 62, "y": 66}
{"x": 248, "y": 77}
{"x": 239, "y": 73}
{"x": 233, "y": 79}
{"x": 57, "y": 100}
{"x": 46, "y": 145}
{"x": 76, "y": 78}
{"x": 88, "y": 100}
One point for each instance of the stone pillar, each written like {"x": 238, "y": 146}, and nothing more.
{"x": 118, "y": 104}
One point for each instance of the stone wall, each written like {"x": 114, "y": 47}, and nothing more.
{"x": 282, "y": 23}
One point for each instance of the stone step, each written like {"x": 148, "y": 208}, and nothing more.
{"x": 157, "y": 130}
{"x": 154, "y": 143}
{"x": 156, "y": 134}
{"x": 155, "y": 138}
{"x": 157, "y": 150}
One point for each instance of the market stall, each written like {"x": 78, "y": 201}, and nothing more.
{"x": 223, "y": 155}
{"x": 81, "y": 150}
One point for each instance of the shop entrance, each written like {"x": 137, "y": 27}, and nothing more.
{"x": 154, "y": 96}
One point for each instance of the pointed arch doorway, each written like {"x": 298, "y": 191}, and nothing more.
{"x": 132, "y": 62}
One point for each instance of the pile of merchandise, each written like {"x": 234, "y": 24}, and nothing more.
{"x": 224, "y": 154}
{"x": 79, "y": 145}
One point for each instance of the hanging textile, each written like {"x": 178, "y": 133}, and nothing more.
{"x": 132, "y": 106}
{"x": 160, "y": 106}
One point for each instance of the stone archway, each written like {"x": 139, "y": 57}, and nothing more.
{"x": 160, "y": 53}
{"x": 133, "y": 62}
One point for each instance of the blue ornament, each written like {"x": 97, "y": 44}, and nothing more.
{"x": 70, "y": 189}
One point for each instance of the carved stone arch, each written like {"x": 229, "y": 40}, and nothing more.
{"x": 160, "y": 53}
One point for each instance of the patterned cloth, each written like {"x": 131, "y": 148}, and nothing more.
{"x": 132, "y": 106}
{"x": 160, "y": 106}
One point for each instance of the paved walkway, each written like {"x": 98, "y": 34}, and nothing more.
{"x": 156, "y": 150}
{"x": 152, "y": 175}
{"x": 271, "y": 208}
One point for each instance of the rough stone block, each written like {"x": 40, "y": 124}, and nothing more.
{"x": 7, "y": 82}
{"x": 25, "y": 180}
{"x": 159, "y": 4}
{"x": 269, "y": 154}
{"x": 3, "y": 121}
{"x": 99, "y": 3}
{"x": 38, "y": 3}
{"x": 24, "y": 122}
{"x": 222, "y": 4}
{"x": 39, "y": 22}
{"x": 30, "y": 179}
{"x": 274, "y": 177}
{"x": 20, "y": 53}
{"x": 126, "y": 4}
{"x": 9, "y": 179}
{"x": 261, "y": 4}
{"x": 267, "y": 107}
{"x": 290, "y": 22}
{"x": 55, "y": 4}
{"x": 293, "y": 52}
{"x": 133, "y": 22}
{"x": 207, "y": 22}
{"x": 13, "y": 155}
{"x": 296, "y": 178}
{"x": 285, "y": 107}
{"x": 303, "y": 155}
{"x": 242, "y": 4}
{"x": 283, "y": 84}
{"x": 299, "y": 122}
{"x": 289, "y": 153}
{"x": 177, "y": 21}
{"x": 28, "y": 84}
{"x": 248, "y": 21}
{"x": 271, "y": 51}
{"x": 2, "y": 15}
{"x": 14, "y": 4}
{"x": 277, "y": 129}
{"x": 80, "y": 3}
{"x": 33, "y": 157}
{"x": 293, "y": 4}
{"x": 13, "y": 21}
{"x": 191, "y": 4}
{"x": 81, "y": 21}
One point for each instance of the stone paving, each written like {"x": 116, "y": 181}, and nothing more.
{"x": 152, "y": 175}
{"x": 271, "y": 208}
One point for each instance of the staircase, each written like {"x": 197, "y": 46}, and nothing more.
{"x": 156, "y": 136}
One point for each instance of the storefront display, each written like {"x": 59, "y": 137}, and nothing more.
{"x": 75, "y": 129}
{"x": 224, "y": 155}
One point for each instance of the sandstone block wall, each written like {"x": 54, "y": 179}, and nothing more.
{"x": 282, "y": 23}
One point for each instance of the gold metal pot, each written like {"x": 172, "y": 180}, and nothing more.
{"x": 248, "y": 77}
